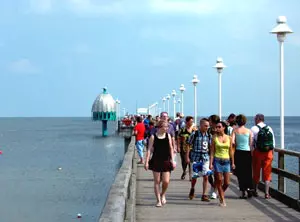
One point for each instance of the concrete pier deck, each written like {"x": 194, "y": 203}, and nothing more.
{"x": 180, "y": 208}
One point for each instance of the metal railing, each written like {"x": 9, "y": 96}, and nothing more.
{"x": 280, "y": 193}
{"x": 282, "y": 173}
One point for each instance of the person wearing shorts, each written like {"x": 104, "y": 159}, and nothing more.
{"x": 221, "y": 152}
{"x": 198, "y": 154}
{"x": 139, "y": 132}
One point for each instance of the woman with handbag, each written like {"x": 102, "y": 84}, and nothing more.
{"x": 161, "y": 162}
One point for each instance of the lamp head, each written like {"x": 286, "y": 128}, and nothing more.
{"x": 182, "y": 89}
{"x": 195, "y": 80}
{"x": 281, "y": 29}
{"x": 219, "y": 65}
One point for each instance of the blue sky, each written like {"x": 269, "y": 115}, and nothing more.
{"x": 56, "y": 55}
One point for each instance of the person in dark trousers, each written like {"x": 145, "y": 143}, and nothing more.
{"x": 183, "y": 147}
{"x": 242, "y": 139}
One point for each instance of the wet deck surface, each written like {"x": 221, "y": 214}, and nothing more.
{"x": 180, "y": 208}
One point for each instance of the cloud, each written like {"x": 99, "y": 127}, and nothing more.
{"x": 85, "y": 7}
{"x": 132, "y": 7}
{"x": 23, "y": 66}
{"x": 41, "y": 6}
{"x": 184, "y": 6}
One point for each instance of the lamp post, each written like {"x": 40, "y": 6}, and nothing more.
{"x": 164, "y": 103}
{"x": 179, "y": 102}
{"x": 195, "y": 80}
{"x": 281, "y": 30}
{"x": 182, "y": 89}
{"x": 168, "y": 98}
{"x": 174, "y": 103}
{"x": 220, "y": 66}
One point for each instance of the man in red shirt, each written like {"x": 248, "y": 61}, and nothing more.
{"x": 139, "y": 132}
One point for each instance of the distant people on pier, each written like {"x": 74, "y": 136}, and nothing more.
{"x": 242, "y": 139}
{"x": 139, "y": 132}
{"x": 165, "y": 117}
{"x": 183, "y": 147}
{"x": 161, "y": 162}
{"x": 221, "y": 152}
{"x": 147, "y": 121}
{"x": 231, "y": 123}
{"x": 263, "y": 144}
{"x": 148, "y": 133}
{"x": 198, "y": 156}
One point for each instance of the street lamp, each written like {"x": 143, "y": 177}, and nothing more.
{"x": 182, "y": 89}
{"x": 195, "y": 80}
{"x": 174, "y": 103}
{"x": 220, "y": 66}
{"x": 168, "y": 98}
{"x": 164, "y": 103}
{"x": 281, "y": 30}
{"x": 179, "y": 101}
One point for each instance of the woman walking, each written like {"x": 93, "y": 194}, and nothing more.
{"x": 221, "y": 152}
{"x": 182, "y": 146}
{"x": 242, "y": 138}
{"x": 161, "y": 162}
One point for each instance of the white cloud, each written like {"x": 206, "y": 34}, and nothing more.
{"x": 41, "y": 6}
{"x": 184, "y": 6}
{"x": 90, "y": 7}
{"x": 23, "y": 66}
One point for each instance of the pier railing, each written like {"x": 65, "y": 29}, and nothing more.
{"x": 280, "y": 193}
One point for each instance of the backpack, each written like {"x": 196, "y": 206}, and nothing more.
{"x": 264, "y": 141}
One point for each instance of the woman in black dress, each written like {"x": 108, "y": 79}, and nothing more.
{"x": 161, "y": 162}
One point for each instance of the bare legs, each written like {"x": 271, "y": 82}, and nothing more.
{"x": 222, "y": 186}
{"x": 161, "y": 197}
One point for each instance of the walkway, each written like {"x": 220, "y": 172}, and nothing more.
{"x": 180, "y": 208}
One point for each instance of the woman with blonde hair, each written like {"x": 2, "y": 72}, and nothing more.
{"x": 161, "y": 162}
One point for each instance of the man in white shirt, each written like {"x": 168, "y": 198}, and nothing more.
{"x": 262, "y": 156}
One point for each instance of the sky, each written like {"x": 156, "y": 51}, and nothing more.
{"x": 56, "y": 55}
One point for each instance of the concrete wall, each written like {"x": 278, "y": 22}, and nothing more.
{"x": 115, "y": 206}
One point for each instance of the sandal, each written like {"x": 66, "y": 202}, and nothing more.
{"x": 158, "y": 204}
{"x": 267, "y": 196}
{"x": 163, "y": 201}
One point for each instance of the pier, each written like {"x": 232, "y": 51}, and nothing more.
{"x": 132, "y": 198}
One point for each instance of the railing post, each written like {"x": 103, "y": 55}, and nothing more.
{"x": 281, "y": 185}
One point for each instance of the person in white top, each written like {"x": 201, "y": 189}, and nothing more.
{"x": 262, "y": 153}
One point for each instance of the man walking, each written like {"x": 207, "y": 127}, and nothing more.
{"x": 262, "y": 148}
{"x": 139, "y": 132}
{"x": 200, "y": 142}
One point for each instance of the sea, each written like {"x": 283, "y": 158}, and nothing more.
{"x": 52, "y": 169}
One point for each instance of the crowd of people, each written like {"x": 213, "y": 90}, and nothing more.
{"x": 213, "y": 150}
